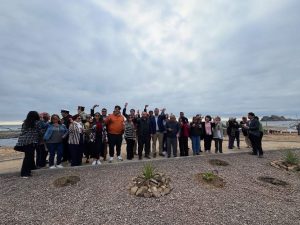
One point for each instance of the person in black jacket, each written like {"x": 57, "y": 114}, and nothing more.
{"x": 233, "y": 133}
{"x": 254, "y": 135}
{"x": 66, "y": 121}
{"x": 144, "y": 135}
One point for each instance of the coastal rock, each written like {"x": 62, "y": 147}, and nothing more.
{"x": 141, "y": 191}
{"x": 133, "y": 190}
{"x": 157, "y": 186}
{"x": 281, "y": 164}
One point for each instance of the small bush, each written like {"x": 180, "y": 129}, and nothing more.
{"x": 291, "y": 158}
{"x": 148, "y": 171}
{"x": 208, "y": 176}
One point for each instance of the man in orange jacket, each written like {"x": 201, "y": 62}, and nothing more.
{"x": 115, "y": 129}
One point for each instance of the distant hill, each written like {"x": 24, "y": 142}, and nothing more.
{"x": 276, "y": 118}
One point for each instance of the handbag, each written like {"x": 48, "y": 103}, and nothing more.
{"x": 19, "y": 148}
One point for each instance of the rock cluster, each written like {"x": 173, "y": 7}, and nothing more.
{"x": 281, "y": 164}
{"x": 157, "y": 186}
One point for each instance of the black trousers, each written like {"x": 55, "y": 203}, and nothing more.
{"x": 218, "y": 145}
{"x": 28, "y": 161}
{"x": 97, "y": 148}
{"x": 129, "y": 148}
{"x": 66, "y": 150}
{"x": 183, "y": 146}
{"x": 237, "y": 136}
{"x": 144, "y": 143}
{"x": 207, "y": 142}
{"x": 115, "y": 140}
{"x": 256, "y": 144}
{"x": 41, "y": 156}
{"x": 76, "y": 152}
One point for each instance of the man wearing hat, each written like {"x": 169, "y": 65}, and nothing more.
{"x": 82, "y": 114}
{"x": 66, "y": 121}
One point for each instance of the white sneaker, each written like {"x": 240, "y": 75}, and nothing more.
{"x": 52, "y": 167}
{"x": 98, "y": 162}
{"x": 120, "y": 158}
{"x": 59, "y": 166}
{"x": 94, "y": 163}
{"x": 111, "y": 159}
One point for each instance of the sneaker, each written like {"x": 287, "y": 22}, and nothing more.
{"x": 164, "y": 153}
{"x": 52, "y": 167}
{"x": 120, "y": 158}
{"x": 59, "y": 166}
{"x": 111, "y": 159}
{"x": 24, "y": 177}
{"x": 147, "y": 157}
{"x": 94, "y": 163}
{"x": 154, "y": 155}
{"x": 98, "y": 162}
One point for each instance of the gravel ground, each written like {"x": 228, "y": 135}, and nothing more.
{"x": 101, "y": 196}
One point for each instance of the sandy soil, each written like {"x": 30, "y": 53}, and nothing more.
{"x": 11, "y": 161}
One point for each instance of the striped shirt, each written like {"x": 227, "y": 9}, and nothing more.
{"x": 74, "y": 133}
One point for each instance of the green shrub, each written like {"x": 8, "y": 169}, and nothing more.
{"x": 148, "y": 171}
{"x": 291, "y": 158}
{"x": 208, "y": 176}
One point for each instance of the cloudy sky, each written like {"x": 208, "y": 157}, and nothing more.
{"x": 197, "y": 56}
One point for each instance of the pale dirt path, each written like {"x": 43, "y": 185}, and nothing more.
{"x": 11, "y": 161}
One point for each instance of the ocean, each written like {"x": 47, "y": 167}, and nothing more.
{"x": 10, "y": 142}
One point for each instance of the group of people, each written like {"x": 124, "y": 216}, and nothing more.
{"x": 70, "y": 137}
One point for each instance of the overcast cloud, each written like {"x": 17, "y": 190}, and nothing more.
{"x": 217, "y": 57}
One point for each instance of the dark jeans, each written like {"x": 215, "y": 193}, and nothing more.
{"x": 129, "y": 148}
{"x": 256, "y": 144}
{"x": 76, "y": 152}
{"x": 144, "y": 143}
{"x": 230, "y": 141}
{"x": 53, "y": 148}
{"x": 183, "y": 146}
{"x": 41, "y": 156}
{"x": 218, "y": 145}
{"x": 115, "y": 140}
{"x": 28, "y": 161}
{"x": 172, "y": 143}
{"x": 207, "y": 142}
{"x": 196, "y": 144}
{"x": 165, "y": 143}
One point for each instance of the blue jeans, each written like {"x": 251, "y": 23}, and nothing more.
{"x": 52, "y": 148}
{"x": 196, "y": 144}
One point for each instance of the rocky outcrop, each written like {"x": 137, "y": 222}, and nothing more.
{"x": 281, "y": 164}
{"x": 156, "y": 187}
{"x": 276, "y": 118}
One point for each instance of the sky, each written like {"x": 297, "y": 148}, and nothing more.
{"x": 211, "y": 57}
